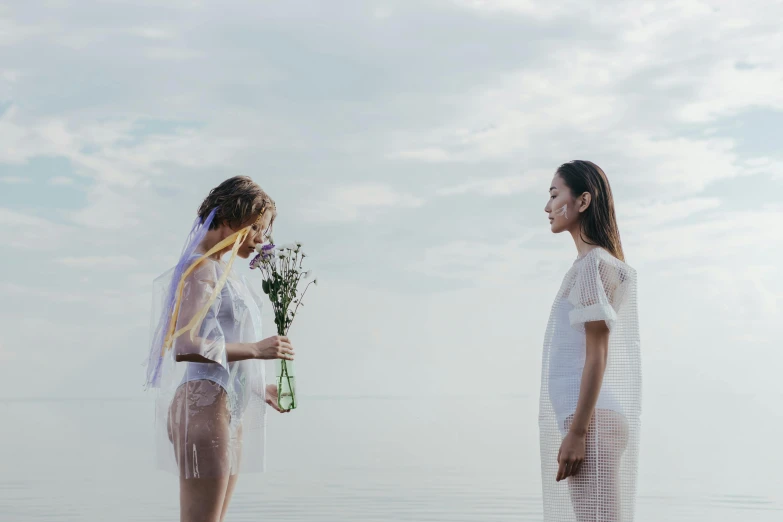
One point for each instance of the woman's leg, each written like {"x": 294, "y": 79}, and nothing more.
{"x": 595, "y": 490}
{"x": 201, "y": 499}
{"x": 232, "y": 481}
{"x": 199, "y": 424}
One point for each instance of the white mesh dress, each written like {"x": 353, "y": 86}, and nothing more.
{"x": 598, "y": 287}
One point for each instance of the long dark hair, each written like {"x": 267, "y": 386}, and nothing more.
{"x": 599, "y": 223}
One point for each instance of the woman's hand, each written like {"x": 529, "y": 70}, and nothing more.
{"x": 275, "y": 347}
{"x": 271, "y": 397}
{"x": 571, "y": 455}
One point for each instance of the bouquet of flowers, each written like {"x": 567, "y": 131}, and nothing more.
{"x": 281, "y": 267}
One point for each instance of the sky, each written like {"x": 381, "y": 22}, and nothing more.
{"x": 410, "y": 146}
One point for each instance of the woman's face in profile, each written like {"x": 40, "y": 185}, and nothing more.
{"x": 561, "y": 207}
{"x": 257, "y": 236}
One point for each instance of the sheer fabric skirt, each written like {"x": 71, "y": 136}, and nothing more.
{"x": 205, "y": 442}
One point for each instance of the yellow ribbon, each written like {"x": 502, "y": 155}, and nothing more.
{"x": 238, "y": 238}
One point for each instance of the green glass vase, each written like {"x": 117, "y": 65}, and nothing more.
{"x": 286, "y": 385}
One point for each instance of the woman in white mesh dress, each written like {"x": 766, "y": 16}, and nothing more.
{"x": 206, "y": 357}
{"x": 591, "y": 377}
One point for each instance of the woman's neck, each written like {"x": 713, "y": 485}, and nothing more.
{"x": 582, "y": 247}
{"x": 212, "y": 238}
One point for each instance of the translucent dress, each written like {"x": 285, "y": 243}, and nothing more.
{"x": 210, "y": 416}
{"x": 598, "y": 287}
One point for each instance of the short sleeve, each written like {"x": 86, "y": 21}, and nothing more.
{"x": 207, "y": 340}
{"x": 597, "y": 294}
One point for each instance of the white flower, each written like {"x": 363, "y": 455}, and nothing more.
{"x": 307, "y": 274}
{"x": 315, "y": 281}
{"x": 299, "y": 244}
{"x": 259, "y": 247}
{"x": 289, "y": 246}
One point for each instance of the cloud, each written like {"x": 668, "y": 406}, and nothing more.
{"x": 520, "y": 121}
{"x": 6, "y": 355}
{"x": 13, "y": 32}
{"x": 730, "y": 235}
{"x": 499, "y": 186}
{"x": 383, "y": 12}
{"x": 428, "y": 154}
{"x": 9, "y": 75}
{"x": 629, "y": 93}
{"x": 645, "y": 214}
{"x": 121, "y": 161}
{"x": 746, "y": 293}
{"x": 107, "y": 208}
{"x": 350, "y": 203}
{"x": 44, "y": 294}
{"x": 24, "y": 231}
{"x": 13, "y": 180}
{"x": 505, "y": 116}
{"x": 153, "y": 33}
{"x": 61, "y": 180}
{"x": 527, "y": 8}
{"x": 102, "y": 262}
{"x": 110, "y": 151}
{"x": 482, "y": 263}
{"x": 678, "y": 164}
{"x": 728, "y": 89}
{"x": 28, "y": 137}
{"x": 655, "y": 234}
{"x": 13, "y": 218}
{"x": 371, "y": 143}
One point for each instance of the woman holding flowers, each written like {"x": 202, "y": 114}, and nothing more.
{"x": 591, "y": 377}
{"x": 206, "y": 360}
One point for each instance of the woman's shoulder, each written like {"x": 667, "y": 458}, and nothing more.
{"x": 600, "y": 276}
{"x": 613, "y": 272}
{"x": 606, "y": 261}
{"x": 201, "y": 269}
{"x": 235, "y": 279}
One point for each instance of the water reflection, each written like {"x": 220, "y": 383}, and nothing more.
{"x": 90, "y": 461}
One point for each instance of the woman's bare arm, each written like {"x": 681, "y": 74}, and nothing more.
{"x": 275, "y": 347}
{"x": 234, "y": 352}
{"x": 597, "y": 351}
{"x": 572, "y": 450}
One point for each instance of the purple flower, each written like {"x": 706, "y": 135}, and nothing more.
{"x": 267, "y": 251}
{"x": 256, "y": 261}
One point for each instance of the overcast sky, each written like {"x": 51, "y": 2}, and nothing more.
{"x": 410, "y": 146}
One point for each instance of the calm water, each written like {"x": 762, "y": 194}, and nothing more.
{"x": 371, "y": 459}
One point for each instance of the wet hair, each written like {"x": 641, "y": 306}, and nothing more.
{"x": 598, "y": 222}
{"x": 239, "y": 200}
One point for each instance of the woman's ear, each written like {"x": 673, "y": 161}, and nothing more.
{"x": 584, "y": 201}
